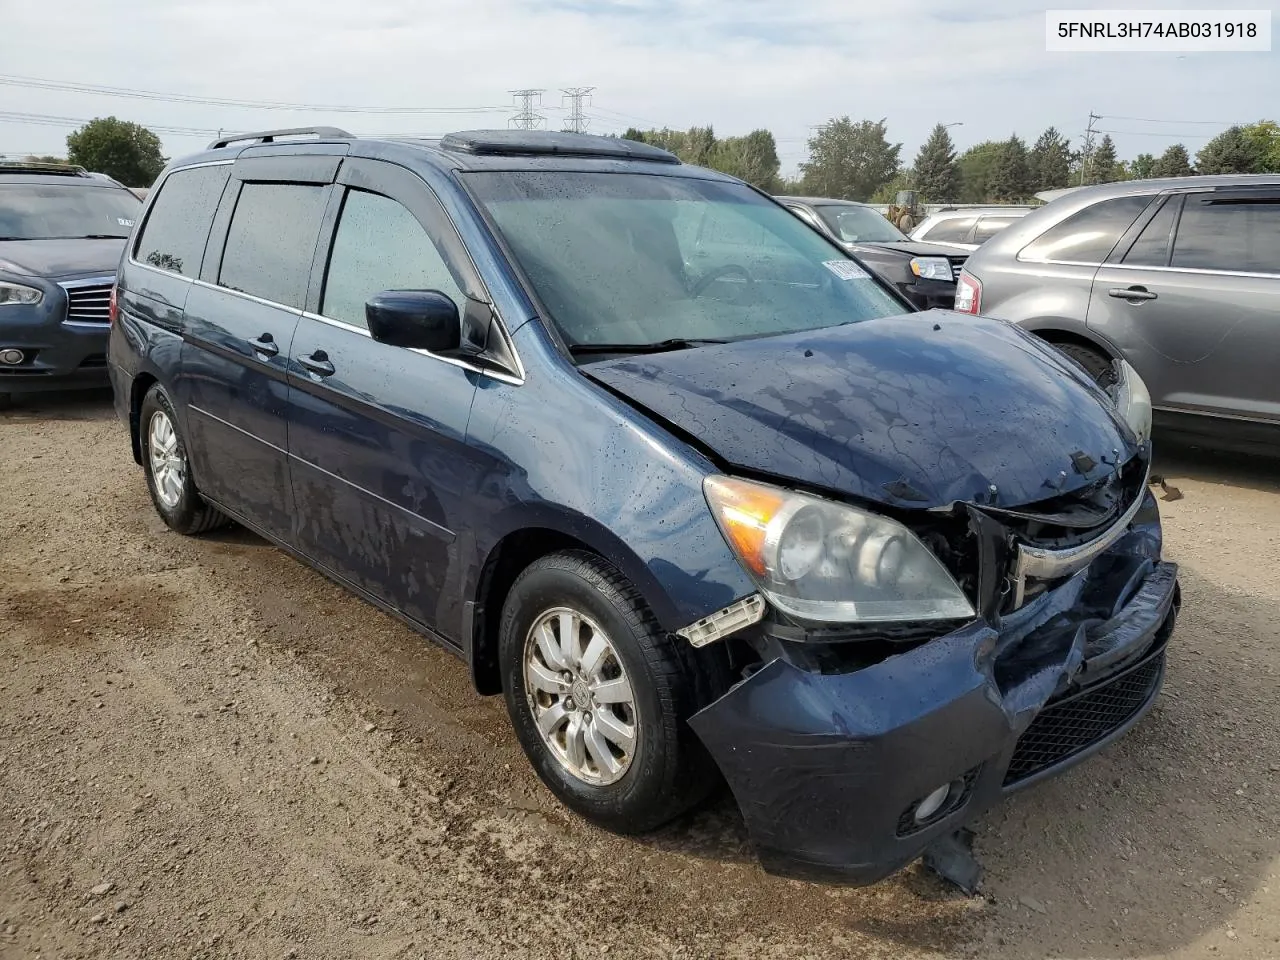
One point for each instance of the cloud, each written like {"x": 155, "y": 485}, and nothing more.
{"x": 736, "y": 65}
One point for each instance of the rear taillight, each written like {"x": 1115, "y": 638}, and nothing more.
{"x": 968, "y": 293}
{"x": 111, "y": 306}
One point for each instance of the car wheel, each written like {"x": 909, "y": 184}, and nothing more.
{"x": 1095, "y": 363}
{"x": 164, "y": 459}
{"x": 599, "y": 695}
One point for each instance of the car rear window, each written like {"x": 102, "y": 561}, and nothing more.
{"x": 1229, "y": 233}
{"x": 988, "y": 227}
{"x": 953, "y": 230}
{"x": 1089, "y": 235}
{"x": 177, "y": 227}
{"x": 271, "y": 241}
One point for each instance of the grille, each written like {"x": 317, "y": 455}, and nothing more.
{"x": 94, "y": 360}
{"x": 88, "y": 301}
{"x": 1063, "y": 729}
{"x": 957, "y": 264}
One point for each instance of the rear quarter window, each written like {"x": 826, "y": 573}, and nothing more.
{"x": 952, "y": 230}
{"x": 176, "y": 229}
{"x": 1089, "y": 235}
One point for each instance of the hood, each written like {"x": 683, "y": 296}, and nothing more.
{"x": 920, "y": 410}
{"x": 908, "y": 248}
{"x": 57, "y": 259}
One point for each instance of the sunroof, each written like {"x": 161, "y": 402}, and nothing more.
{"x": 498, "y": 143}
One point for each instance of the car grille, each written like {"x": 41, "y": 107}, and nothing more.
{"x": 1065, "y": 728}
{"x": 88, "y": 301}
{"x": 957, "y": 264}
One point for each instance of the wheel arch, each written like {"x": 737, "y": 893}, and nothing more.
{"x": 137, "y": 391}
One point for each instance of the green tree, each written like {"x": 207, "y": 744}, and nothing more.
{"x": 977, "y": 166}
{"x": 1264, "y": 141}
{"x": 1102, "y": 166}
{"x": 1229, "y": 152}
{"x": 1011, "y": 174}
{"x": 126, "y": 151}
{"x": 46, "y": 158}
{"x": 633, "y": 134}
{"x": 753, "y": 158}
{"x": 1142, "y": 167}
{"x": 850, "y": 161}
{"x": 1174, "y": 162}
{"x": 1050, "y": 161}
{"x": 936, "y": 176}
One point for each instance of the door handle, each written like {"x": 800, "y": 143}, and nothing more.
{"x": 265, "y": 344}
{"x": 317, "y": 364}
{"x": 1132, "y": 294}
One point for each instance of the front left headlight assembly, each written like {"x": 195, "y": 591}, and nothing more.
{"x": 16, "y": 293}
{"x": 823, "y": 561}
{"x": 1133, "y": 400}
{"x": 932, "y": 268}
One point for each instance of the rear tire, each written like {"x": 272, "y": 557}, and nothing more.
{"x": 165, "y": 462}
{"x": 1095, "y": 363}
{"x": 637, "y": 763}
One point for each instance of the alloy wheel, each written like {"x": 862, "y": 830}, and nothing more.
{"x": 168, "y": 466}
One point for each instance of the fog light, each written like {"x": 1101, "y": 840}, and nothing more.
{"x": 932, "y": 803}
{"x": 11, "y": 356}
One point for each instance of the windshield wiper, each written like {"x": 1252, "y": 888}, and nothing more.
{"x": 675, "y": 343}
{"x": 96, "y": 236}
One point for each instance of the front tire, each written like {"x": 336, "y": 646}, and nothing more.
{"x": 600, "y": 695}
{"x": 1095, "y": 363}
{"x": 165, "y": 462}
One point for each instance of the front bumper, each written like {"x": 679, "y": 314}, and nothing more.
{"x": 828, "y": 769}
{"x": 59, "y": 355}
{"x": 930, "y": 294}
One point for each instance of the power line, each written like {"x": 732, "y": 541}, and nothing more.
{"x": 1176, "y": 123}
{"x": 1149, "y": 133}
{"x": 129, "y": 92}
{"x": 48, "y": 120}
{"x": 576, "y": 122}
{"x": 1086, "y": 154}
{"x": 526, "y": 118}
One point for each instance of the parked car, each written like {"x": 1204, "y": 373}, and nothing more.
{"x": 876, "y": 571}
{"x": 61, "y": 234}
{"x": 1180, "y": 278}
{"x": 966, "y": 229}
{"x": 923, "y": 273}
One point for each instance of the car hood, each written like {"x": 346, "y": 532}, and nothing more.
{"x": 908, "y": 248}
{"x": 60, "y": 258}
{"x": 920, "y": 410}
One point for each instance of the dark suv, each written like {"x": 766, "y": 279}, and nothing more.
{"x": 750, "y": 520}
{"x": 61, "y": 234}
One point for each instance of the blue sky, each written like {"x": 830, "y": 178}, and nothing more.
{"x": 787, "y": 66}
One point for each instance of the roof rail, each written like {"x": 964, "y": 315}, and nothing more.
{"x": 515, "y": 143}
{"x": 269, "y": 136}
{"x": 40, "y": 166}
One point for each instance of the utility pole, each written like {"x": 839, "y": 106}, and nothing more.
{"x": 526, "y": 117}
{"x": 577, "y": 120}
{"x": 1087, "y": 152}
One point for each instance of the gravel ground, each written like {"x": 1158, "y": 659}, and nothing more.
{"x": 208, "y": 750}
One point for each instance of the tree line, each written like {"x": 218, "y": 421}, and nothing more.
{"x": 850, "y": 160}
{"x": 855, "y": 160}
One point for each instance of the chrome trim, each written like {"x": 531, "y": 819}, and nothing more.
{"x": 196, "y": 166}
{"x": 81, "y": 283}
{"x": 1196, "y": 270}
{"x": 246, "y": 296}
{"x": 166, "y": 273}
{"x": 87, "y": 282}
{"x": 1055, "y": 564}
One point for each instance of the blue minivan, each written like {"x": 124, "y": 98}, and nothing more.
{"x": 702, "y": 513}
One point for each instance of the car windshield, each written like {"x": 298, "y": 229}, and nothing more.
{"x": 39, "y": 211}
{"x": 636, "y": 259}
{"x": 859, "y": 225}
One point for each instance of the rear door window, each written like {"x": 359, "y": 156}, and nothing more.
{"x": 1240, "y": 234}
{"x": 953, "y": 230}
{"x": 1089, "y": 235}
{"x": 1151, "y": 249}
{"x": 177, "y": 227}
{"x": 379, "y": 245}
{"x": 272, "y": 240}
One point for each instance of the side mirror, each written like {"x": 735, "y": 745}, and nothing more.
{"x": 418, "y": 319}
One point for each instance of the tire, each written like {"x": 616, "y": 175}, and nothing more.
{"x": 1095, "y": 363}
{"x": 667, "y": 771}
{"x": 178, "y": 503}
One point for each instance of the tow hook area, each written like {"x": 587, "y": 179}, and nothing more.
{"x": 951, "y": 858}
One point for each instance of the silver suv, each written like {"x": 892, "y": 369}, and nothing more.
{"x": 1181, "y": 278}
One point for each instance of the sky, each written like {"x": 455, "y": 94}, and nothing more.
{"x": 734, "y": 64}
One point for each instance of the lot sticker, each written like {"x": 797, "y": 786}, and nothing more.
{"x": 846, "y": 269}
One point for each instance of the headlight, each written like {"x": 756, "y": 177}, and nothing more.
{"x": 932, "y": 268}
{"x": 1133, "y": 400}
{"x": 820, "y": 560}
{"x": 17, "y": 293}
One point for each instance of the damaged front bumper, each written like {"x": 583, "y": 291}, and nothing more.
{"x": 836, "y": 772}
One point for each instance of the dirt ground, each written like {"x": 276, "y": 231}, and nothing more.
{"x": 208, "y": 750}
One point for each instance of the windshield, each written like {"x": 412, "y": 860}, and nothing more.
{"x": 859, "y": 225}
{"x": 634, "y": 259}
{"x": 39, "y": 211}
